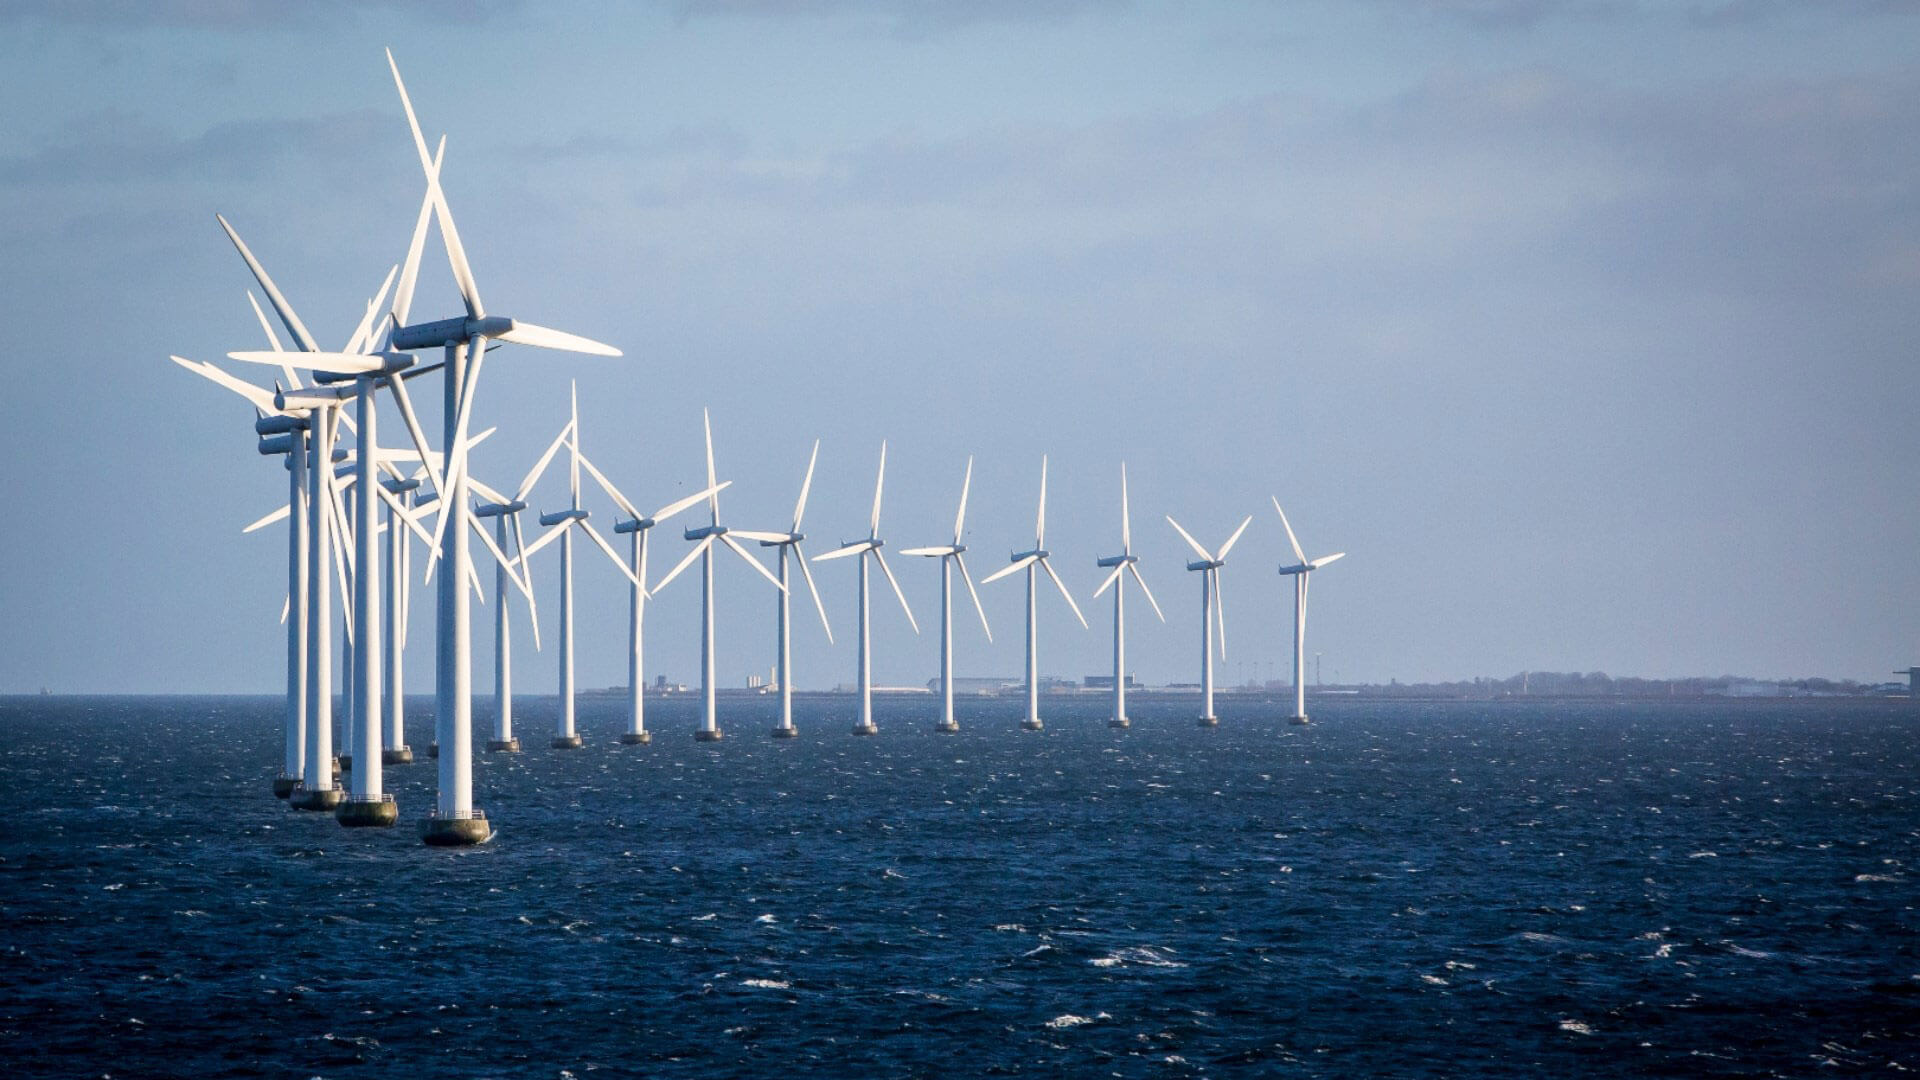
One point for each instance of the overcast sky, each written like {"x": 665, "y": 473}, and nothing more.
{"x": 1586, "y": 327}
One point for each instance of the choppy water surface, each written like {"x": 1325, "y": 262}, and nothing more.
{"x": 1399, "y": 890}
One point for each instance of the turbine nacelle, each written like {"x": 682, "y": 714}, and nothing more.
{"x": 279, "y": 425}
{"x": 1036, "y": 553}
{"x": 705, "y": 531}
{"x": 633, "y": 525}
{"x": 494, "y": 509}
{"x": 398, "y": 486}
{"x": 276, "y": 444}
{"x": 785, "y": 539}
{"x": 1116, "y": 560}
{"x": 549, "y": 520}
{"x": 390, "y": 362}
{"x": 454, "y": 331}
{"x": 1207, "y": 564}
{"x": 311, "y": 398}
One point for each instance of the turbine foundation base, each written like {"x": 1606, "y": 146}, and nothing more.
{"x": 636, "y": 738}
{"x": 786, "y": 733}
{"x": 1209, "y": 721}
{"x": 1296, "y": 719}
{"x": 456, "y": 832}
{"x": 501, "y": 746}
{"x": 283, "y": 786}
{"x": 379, "y": 812}
{"x": 305, "y": 798}
{"x": 567, "y": 742}
{"x": 344, "y": 761}
{"x": 947, "y": 727}
{"x": 1120, "y": 724}
{"x": 708, "y": 735}
{"x": 1035, "y": 724}
{"x": 399, "y": 755}
{"x": 866, "y": 729}
{"x": 433, "y": 750}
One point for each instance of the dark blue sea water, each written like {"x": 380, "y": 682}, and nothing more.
{"x": 1397, "y": 890}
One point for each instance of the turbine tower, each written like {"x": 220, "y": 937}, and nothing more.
{"x": 1124, "y": 563}
{"x": 1299, "y": 572}
{"x": 395, "y": 750}
{"x": 863, "y": 548}
{"x": 1030, "y": 561}
{"x": 706, "y": 536}
{"x": 562, "y": 524}
{"x": 1212, "y": 612}
{"x": 950, "y": 554}
{"x": 790, "y": 543}
{"x": 455, "y": 820}
{"x": 505, "y": 512}
{"x": 636, "y": 528}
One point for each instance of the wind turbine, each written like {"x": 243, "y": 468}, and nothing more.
{"x": 636, "y": 528}
{"x": 463, "y": 337}
{"x": 1299, "y": 572}
{"x": 505, "y": 512}
{"x": 1211, "y": 610}
{"x": 948, "y": 555}
{"x": 395, "y": 750}
{"x": 1029, "y": 561}
{"x": 706, "y": 536}
{"x": 1124, "y": 563}
{"x": 562, "y": 524}
{"x": 786, "y": 544}
{"x": 863, "y": 548}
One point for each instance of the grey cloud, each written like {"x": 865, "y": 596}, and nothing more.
{"x": 1527, "y": 13}
{"x": 907, "y": 18}
{"x": 241, "y": 14}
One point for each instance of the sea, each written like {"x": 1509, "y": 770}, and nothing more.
{"x": 1460, "y": 889}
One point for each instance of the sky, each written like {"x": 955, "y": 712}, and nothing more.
{"x": 1587, "y": 328}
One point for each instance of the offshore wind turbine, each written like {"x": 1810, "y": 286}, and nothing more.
{"x": 791, "y": 543}
{"x": 705, "y": 537}
{"x": 1124, "y": 563}
{"x": 948, "y": 555}
{"x": 863, "y": 548}
{"x": 1211, "y": 611}
{"x": 1036, "y": 559}
{"x": 463, "y": 338}
{"x": 394, "y": 748}
{"x": 563, "y": 524}
{"x": 1299, "y": 572}
{"x": 636, "y": 528}
{"x": 505, "y": 512}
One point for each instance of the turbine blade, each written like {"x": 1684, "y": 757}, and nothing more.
{"x": 1064, "y": 594}
{"x": 601, "y": 542}
{"x": 344, "y": 363}
{"x": 765, "y": 537}
{"x": 1191, "y": 542}
{"x": 879, "y": 482}
{"x": 1040, "y": 521}
{"x": 881, "y": 557}
{"x": 842, "y": 552}
{"x": 675, "y": 507}
{"x": 1111, "y": 578}
{"x": 457, "y": 453}
{"x": 1135, "y": 568}
{"x": 1126, "y": 516}
{"x": 280, "y": 306}
{"x": 257, "y": 397}
{"x": 606, "y": 485}
{"x": 815, "y": 590}
{"x": 927, "y": 551}
{"x": 1325, "y": 559}
{"x": 1219, "y": 611}
{"x": 1017, "y": 564}
{"x": 419, "y": 437}
{"x": 713, "y": 486}
{"x": 728, "y": 540}
{"x": 540, "y": 466}
{"x": 975, "y": 593}
{"x": 410, "y": 267}
{"x": 542, "y": 540}
{"x": 1234, "y": 539}
{"x": 401, "y": 513}
{"x": 542, "y": 337}
{"x": 276, "y": 515}
{"x": 286, "y": 605}
{"x": 683, "y": 564}
{"x": 273, "y": 339}
{"x": 1291, "y": 539}
{"x": 960, "y": 518}
{"x": 361, "y": 333}
{"x": 800, "y": 507}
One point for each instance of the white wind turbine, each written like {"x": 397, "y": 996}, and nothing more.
{"x": 1212, "y": 613}
{"x": 1030, "y": 561}
{"x": 636, "y": 528}
{"x": 464, "y": 337}
{"x": 1299, "y": 572}
{"x": 948, "y": 555}
{"x": 863, "y": 548}
{"x": 1124, "y": 563}
{"x": 791, "y": 544}
{"x": 562, "y": 524}
{"x": 705, "y": 537}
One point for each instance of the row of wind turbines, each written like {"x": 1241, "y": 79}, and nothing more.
{"x": 335, "y": 497}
